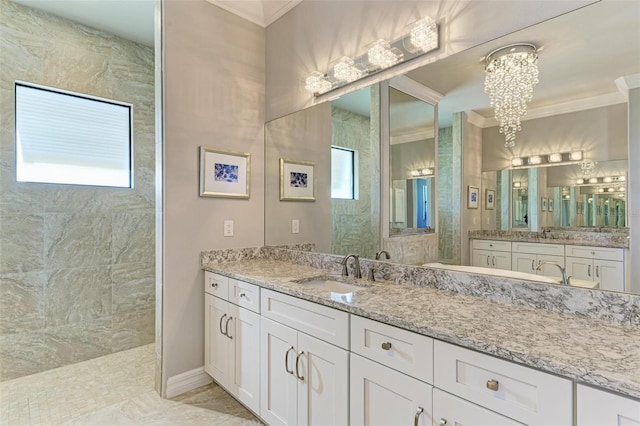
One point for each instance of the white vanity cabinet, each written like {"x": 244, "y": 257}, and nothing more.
{"x": 600, "y": 408}
{"x": 304, "y": 380}
{"x": 599, "y": 264}
{"x": 526, "y": 257}
{"x": 232, "y": 337}
{"x": 491, "y": 254}
{"x": 449, "y": 410}
{"x": 511, "y": 390}
{"x": 391, "y": 374}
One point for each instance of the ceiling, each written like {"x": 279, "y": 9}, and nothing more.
{"x": 134, "y": 19}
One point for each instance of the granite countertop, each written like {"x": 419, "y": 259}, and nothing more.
{"x": 576, "y": 238}
{"x": 591, "y": 351}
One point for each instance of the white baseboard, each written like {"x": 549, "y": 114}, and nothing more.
{"x": 187, "y": 381}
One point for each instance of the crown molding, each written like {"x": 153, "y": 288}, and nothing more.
{"x": 260, "y": 12}
{"x": 608, "y": 99}
{"x": 412, "y": 137}
{"x": 415, "y": 89}
{"x": 626, "y": 83}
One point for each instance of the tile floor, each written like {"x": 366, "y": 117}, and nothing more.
{"x": 116, "y": 389}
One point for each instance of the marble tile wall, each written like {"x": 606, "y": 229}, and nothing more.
{"x": 76, "y": 263}
{"x": 449, "y": 187}
{"x": 355, "y": 226}
{"x": 412, "y": 249}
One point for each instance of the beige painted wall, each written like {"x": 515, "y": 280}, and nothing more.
{"x": 214, "y": 96}
{"x": 600, "y": 132}
{"x": 303, "y": 136}
{"x": 316, "y": 33}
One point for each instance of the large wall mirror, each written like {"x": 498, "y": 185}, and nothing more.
{"x": 576, "y": 106}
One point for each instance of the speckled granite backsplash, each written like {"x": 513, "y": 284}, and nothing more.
{"x": 601, "y": 237}
{"x": 620, "y": 308}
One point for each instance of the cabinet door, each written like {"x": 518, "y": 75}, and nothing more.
{"x": 278, "y": 383}
{"x": 501, "y": 260}
{"x": 481, "y": 258}
{"x": 216, "y": 351}
{"x": 323, "y": 385}
{"x": 523, "y": 262}
{"x": 382, "y": 396}
{"x": 609, "y": 274}
{"x": 580, "y": 268}
{"x": 452, "y": 411}
{"x": 244, "y": 368}
{"x": 550, "y": 270}
{"x": 599, "y": 408}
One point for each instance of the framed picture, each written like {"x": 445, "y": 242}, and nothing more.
{"x": 490, "y": 202}
{"x": 473, "y": 195}
{"x": 297, "y": 180}
{"x": 224, "y": 173}
{"x": 550, "y": 205}
{"x": 543, "y": 204}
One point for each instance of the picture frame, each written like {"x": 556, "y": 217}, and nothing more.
{"x": 473, "y": 197}
{"x": 490, "y": 199}
{"x": 543, "y": 204}
{"x": 224, "y": 174}
{"x": 550, "y": 205}
{"x": 297, "y": 180}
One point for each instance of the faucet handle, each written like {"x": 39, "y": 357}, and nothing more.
{"x": 372, "y": 276}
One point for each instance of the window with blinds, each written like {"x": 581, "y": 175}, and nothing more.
{"x": 71, "y": 138}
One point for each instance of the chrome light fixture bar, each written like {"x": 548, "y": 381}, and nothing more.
{"x": 609, "y": 181}
{"x": 426, "y": 172}
{"x": 421, "y": 37}
{"x": 546, "y": 160}
{"x": 511, "y": 74}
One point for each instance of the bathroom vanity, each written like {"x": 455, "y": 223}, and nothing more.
{"x": 408, "y": 352}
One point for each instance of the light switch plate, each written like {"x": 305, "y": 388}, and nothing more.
{"x": 228, "y": 228}
{"x": 295, "y": 226}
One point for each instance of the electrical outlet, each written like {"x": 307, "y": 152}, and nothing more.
{"x": 295, "y": 226}
{"x": 228, "y": 228}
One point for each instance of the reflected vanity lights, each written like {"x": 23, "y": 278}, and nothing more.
{"x": 420, "y": 37}
{"x": 422, "y": 172}
{"x": 606, "y": 181}
{"x": 546, "y": 160}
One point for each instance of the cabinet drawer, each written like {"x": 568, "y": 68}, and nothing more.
{"x": 518, "y": 392}
{"x": 402, "y": 350}
{"x": 492, "y": 245}
{"x": 604, "y": 253}
{"x": 537, "y": 248}
{"x": 451, "y": 410}
{"x": 244, "y": 294}
{"x": 322, "y": 322}
{"x": 217, "y": 285}
{"x": 597, "y": 407}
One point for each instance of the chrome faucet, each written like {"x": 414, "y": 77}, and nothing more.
{"x": 356, "y": 269}
{"x": 381, "y": 252}
{"x": 565, "y": 278}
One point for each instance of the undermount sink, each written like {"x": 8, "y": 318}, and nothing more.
{"x": 338, "y": 291}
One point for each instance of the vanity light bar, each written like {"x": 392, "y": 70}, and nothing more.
{"x": 546, "y": 160}
{"x": 601, "y": 180}
{"x": 422, "y": 172}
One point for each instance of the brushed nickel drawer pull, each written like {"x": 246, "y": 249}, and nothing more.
{"x": 213, "y": 284}
{"x": 492, "y": 385}
{"x": 443, "y": 422}
{"x": 386, "y": 346}
{"x": 297, "y": 363}
{"x": 286, "y": 360}
{"x": 222, "y": 319}
{"x": 226, "y": 328}
{"x": 243, "y": 294}
{"x": 417, "y": 416}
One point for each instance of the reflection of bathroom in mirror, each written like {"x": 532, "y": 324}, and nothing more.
{"x": 577, "y": 106}
{"x": 412, "y": 164}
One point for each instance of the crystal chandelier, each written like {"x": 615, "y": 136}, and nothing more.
{"x": 511, "y": 75}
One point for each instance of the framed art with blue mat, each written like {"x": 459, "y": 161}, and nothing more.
{"x": 297, "y": 180}
{"x": 224, "y": 173}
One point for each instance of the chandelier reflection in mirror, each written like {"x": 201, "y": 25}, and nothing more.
{"x": 420, "y": 37}
{"x": 511, "y": 74}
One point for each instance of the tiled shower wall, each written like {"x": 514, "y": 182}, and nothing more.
{"x": 355, "y": 224}
{"x": 76, "y": 262}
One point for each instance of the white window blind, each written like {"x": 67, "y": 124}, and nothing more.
{"x": 342, "y": 173}
{"x": 69, "y": 138}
